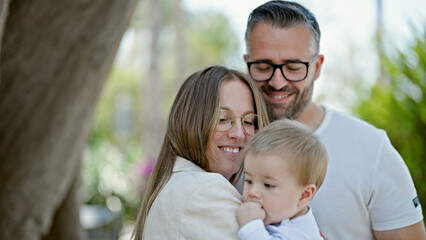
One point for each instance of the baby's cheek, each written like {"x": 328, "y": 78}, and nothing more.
{"x": 245, "y": 199}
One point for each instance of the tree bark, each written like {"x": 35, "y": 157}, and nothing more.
{"x": 68, "y": 215}
{"x": 55, "y": 57}
{"x": 4, "y": 7}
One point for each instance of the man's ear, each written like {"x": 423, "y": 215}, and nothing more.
{"x": 307, "y": 195}
{"x": 318, "y": 65}
{"x": 246, "y": 56}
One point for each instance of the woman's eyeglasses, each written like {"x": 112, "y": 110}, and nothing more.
{"x": 227, "y": 120}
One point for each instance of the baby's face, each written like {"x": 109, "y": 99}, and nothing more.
{"x": 267, "y": 182}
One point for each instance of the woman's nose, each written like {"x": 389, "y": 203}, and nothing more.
{"x": 237, "y": 131}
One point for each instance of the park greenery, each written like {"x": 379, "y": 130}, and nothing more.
{"x": 397, "y": 104}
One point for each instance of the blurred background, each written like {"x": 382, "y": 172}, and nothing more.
{"x": 375, "y": 57}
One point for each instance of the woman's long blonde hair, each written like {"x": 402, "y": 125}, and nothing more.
{"x": 191, "y": 123}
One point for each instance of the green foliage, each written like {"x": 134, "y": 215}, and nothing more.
{"x": 210, "y": 43}
{"x": 399, "y": 107}
{"x": 109, "y": 176}
{"x": 119, "y": 82}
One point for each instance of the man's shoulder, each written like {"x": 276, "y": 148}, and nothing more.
{"x": 341, "y": 120}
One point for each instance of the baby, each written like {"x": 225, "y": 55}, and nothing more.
{"x": 285, "y": 164}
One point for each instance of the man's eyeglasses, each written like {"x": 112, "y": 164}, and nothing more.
{"x": 227, "y": 120}
{"x": 293, "y": 71}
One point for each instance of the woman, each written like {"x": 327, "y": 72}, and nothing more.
{"x": 189, "y": 193}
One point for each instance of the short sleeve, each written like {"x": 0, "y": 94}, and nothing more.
{"x": 210, "y": 211}
{"x": 392, "y": 204}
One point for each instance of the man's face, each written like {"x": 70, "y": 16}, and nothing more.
{"x": 280, "y": 45}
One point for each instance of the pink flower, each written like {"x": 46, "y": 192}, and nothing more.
{"x": 145, "y": 169}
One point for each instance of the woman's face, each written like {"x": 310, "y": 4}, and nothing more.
{"x": 224, "y": 148}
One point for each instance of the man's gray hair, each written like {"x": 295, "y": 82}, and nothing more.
{"x": 284, "y": 14}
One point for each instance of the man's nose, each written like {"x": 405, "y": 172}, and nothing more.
{"x": 277, "y": 81}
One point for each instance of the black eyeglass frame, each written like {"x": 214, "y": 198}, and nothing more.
{"x": 280, "y": 66}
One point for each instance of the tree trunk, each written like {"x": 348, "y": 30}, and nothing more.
{"x": 55, "y": 57}
{"x": 4, "y": 6}
{"x": 67, "y": 214}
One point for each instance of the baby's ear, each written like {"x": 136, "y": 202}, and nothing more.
{"x": 307, "y": 195}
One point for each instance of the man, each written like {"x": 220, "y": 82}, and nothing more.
{"x": 368, "y": 192}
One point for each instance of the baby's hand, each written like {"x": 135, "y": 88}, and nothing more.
{"x": 249, "y": 211}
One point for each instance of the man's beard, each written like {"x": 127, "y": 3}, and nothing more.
{"x": 296, "y": 107}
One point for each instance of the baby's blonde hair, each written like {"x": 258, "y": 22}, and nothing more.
{"x": 296, "y": 143}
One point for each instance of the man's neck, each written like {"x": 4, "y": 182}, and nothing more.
{"x": 312, "y": 116}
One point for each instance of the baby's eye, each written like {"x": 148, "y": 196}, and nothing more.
{"x": 248, "y": 181}
{"x": 267, "y": 185}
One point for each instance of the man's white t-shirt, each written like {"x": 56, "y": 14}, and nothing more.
{"x": 367, "y": 186}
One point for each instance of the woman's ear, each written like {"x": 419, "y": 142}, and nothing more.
{"x": 308, "y": 193}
